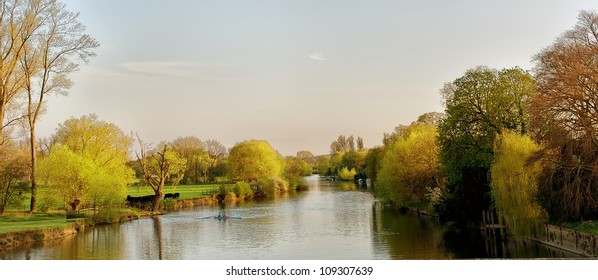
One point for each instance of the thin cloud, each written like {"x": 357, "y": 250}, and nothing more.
{"x": 179, "y": 70}
{"x": 317, "y": 56}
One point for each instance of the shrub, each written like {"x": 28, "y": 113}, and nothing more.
{"x": 243, "y": 190}
{"x": 347, "y": 175}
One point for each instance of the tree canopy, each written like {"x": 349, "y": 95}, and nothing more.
{"x": 88, "y": 163}
{"x": 479, "y": 105}
{"x": 565, "y": 118}
{"x": 254, "y": 160}
{"x": 515, "y": 179}
{"x": 410, "y": 168}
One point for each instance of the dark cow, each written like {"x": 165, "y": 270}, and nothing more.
{"x": 138, "y": 201}
{"x": 172, "y": 196}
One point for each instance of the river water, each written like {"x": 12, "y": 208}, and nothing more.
{"x": 330, "y": 221}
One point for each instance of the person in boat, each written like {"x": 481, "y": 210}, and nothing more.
{"x": 222, "y": 215}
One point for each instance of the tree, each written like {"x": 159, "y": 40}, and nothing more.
{"x": 359, "y": 143}
{"x": 353, "y": 160}
{"x": 88, "y": 163}
{"x": 253, "y": 160}
{"x": 324, "y": 165}
{"x": 410, "y": 168}
{"x": 434, "y": 118}
{"x": 69, "y": 174}
{"x": 346, "y": 174}
{"x": 565, "y": 118}
{"x": 14, "y": 170}
{"x": 192, "y": 149}
{"x": 159, "y": 166}
{"x": 308, "y": 157}
{"x": 17, "y": 27}
{"x": 57, "y": 40}
{"x": 479, "y": 105}
{"x": 372, "y": 163}
{"x": 216, "y": 154}
{"x": 342, "y": 144}
{"x": 294, "y": 169}
{"x": 515, "y": 180}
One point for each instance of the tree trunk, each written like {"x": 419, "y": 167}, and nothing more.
{"x": 33, "y": 205}
{"x": 157, "y": 197}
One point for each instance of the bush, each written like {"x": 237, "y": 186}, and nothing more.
{"x": 106, "y": 217}
{"x": 243, "y": 190}
{"x": 274, "y": 185}
{"x": 347, "y": 175}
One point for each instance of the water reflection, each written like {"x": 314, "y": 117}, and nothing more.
{"x": 402, "y": 235}
{"x": 330, "y": 221}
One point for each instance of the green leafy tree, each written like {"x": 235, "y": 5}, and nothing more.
{"x": 324, "y": 165}
{"x": 308, "y": 157}
{"x": 515, "y": 182}
{"x": 96, "y": 155}
{"x": 479, "y": 105}
{"x": 294, "y": 170}
{"x": 253, "y": 160}
{"x": 71, "y": 175}
{"x": 191, "y": 149}
{"x": 372, "y": 162}
{"x": 410, "y": 168}
{"x": 14, "y": 169}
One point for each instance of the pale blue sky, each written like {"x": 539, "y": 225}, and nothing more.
{"x": 294, "y": 73}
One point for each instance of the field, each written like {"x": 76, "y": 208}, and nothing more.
{"x": 25, "y": 222}
{"x": 17, "y": 219}
{"x": 186, "y": 191}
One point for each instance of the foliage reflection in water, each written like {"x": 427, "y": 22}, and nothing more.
{"x": 330, "y": 221}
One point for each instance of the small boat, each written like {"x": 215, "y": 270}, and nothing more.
{"x": 221, "y": 218}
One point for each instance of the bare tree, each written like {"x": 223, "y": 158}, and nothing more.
{"x": 216, "y": 154}
{"x": 565, "y": 119}
{"x": 48, "y": 57}
{"x": 18, "y": 25}
{"x": 159, "y": 166}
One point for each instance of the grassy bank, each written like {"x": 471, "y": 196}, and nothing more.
{"x": 17, "y": 222}
{"x": 186, "y": 191}
{"x": 18, "y": 219}
{"x": 585, "y": 226}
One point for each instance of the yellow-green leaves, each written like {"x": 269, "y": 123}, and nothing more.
{"x": 253, "y": 160}
{"x": 515, "y": 181}
{"x": 88, "y": 163}
{"x": 410, "y": 167}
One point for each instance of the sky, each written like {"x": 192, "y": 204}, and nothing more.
{"x": 294, "y": 73}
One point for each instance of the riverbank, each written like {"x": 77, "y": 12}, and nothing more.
{"x": 45, "y": 227}
{"x": 582, "y": 243}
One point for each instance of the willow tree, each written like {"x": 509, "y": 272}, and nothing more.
{"x": 515, "y": 181}
{"x": 88, "y": 163}
{"x": 410, "y": 168}
{"x": 565, "y": 117}
{"x": 57, "y": 42}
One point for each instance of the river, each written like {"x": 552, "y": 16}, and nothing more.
{"x": 332, "y": 220}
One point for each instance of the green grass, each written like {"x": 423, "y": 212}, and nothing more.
{"x": 16, "y": 219}
{"x": 25, "y": 222}
{"x": 586, "y": 226}
{"x": 186, "y": 191}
